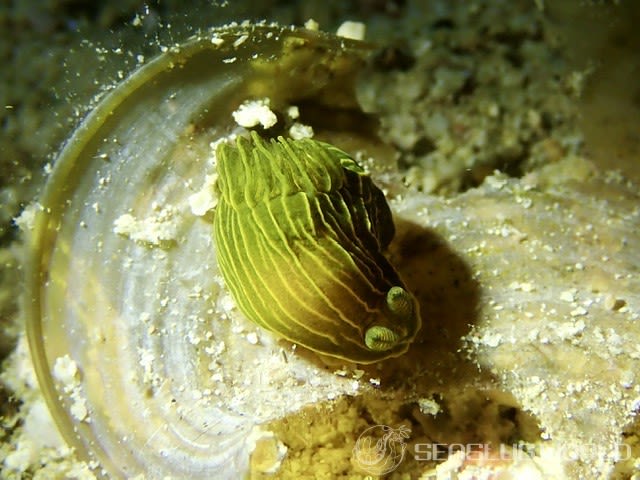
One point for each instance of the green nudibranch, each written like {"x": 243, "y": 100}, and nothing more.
{"x": 300, "y": 229}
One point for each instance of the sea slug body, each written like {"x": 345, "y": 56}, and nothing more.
{"x": 300, "y": 229}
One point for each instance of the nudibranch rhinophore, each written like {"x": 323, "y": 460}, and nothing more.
{"x": 300, "y": 230}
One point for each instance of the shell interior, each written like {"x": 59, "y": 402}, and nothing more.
{"x": 144, "y": 363}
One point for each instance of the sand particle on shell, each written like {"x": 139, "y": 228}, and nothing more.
{"x": 252, "y": 113}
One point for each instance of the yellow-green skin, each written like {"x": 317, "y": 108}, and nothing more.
{"x": 300, "y": 229}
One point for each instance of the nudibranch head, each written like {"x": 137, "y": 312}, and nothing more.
{"x": 300, "y": 230}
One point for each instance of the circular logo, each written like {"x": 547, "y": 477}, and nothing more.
{"x": 380, "y": 449}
